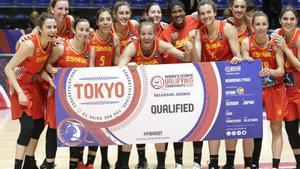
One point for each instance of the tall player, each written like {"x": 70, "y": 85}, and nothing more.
{"x": 260, "y": 46}
{"x": 244, "y": 27}
{"x": 288, "y": 40}
{"x": 67, "y": 55}
{"x": 26, "y": 100}
{"x": 106, "y": 52}
{"x": 228, "y": 49}
{"x": 178, "y": 33}
{"x": 149, "y": 50}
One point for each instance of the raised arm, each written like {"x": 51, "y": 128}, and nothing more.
{"x": 280, "y": 63}
{"x": 245, "y": 50}
{"x": 117, "y": 50}
{"x": 280, "y": 42}
{"x": 127, "y": 54}
{"x": 56, "y": 52}
{"x": 171, "y": 50}
{"x": 92, "y": 54}
{"x": 232, "y": 35}
{"x": 196, "y": 51}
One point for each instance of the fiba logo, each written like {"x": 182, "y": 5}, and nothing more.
{"x": 71, "y": 132}
{"x": 157, "y": 82}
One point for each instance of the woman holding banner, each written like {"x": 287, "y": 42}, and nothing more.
{"x": 205, "y": 49}
{"x": 243, "y": 25}
{"x": 261, "y": 46}
{"x": 22, "y": 71}
{"x": 72, "y": 53}
{"x": 106, "y": 52}
{"x": 148, "y": 50}
{"x": 178, "y": 33}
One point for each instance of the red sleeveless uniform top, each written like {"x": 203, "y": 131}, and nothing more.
{"x": 159, "y": 30}
{"x": 245, "y": 33}
{"x": 266, "y": 54}
{"x": 289, "y": 68}
{"x": 130, "y": 33}
{"x": 155, "y": 58}
{"x": 32, "y": 65}
{"x": 178, "y": 37}
{"x": 216, "y": 49}
{"x": 104, "y": 51}
{"x": 71, "y": 58}
{"x": 67, "y": 32}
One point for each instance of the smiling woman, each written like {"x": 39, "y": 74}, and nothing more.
{"x": 22, "y": 72}
{"x": 72, "y": 53}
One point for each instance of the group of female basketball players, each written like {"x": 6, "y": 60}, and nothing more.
{"x": 59, "y": 39}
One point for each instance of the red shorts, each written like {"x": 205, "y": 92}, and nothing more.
{"x": 49, "y": 107}
{"x": 275, "y": 102}
{"x": 35, "y": 106}
{"x": 293, "y": 95}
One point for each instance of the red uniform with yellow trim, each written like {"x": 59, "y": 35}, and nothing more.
{"x": 155, "y": 58}
{"x": 216, "y": 49}
{"x": 27, "y": 73}
{"x": 178, "y": 37}
{"x": 292, "y": 80}
{"x": 246, "y": 32}
{"x": 274, "y": 92}
{"x": 131, "y": 32}
{"x": 104, "y": 51}
{"x": 67, "y": 32}
{"x": 69, "y": 59}
{"x": 159, "y": 30}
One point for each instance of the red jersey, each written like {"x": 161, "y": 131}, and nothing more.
{"x": 26, "y": 74}
{"x": 289, "y": 68}
{"x": 178, "y": 37}
{"x": 67, "y": 32}
{"x": 246, "y": 32}
{"x": 159, "y": 30}
{"x": 131, "y": 32}
{"x": 266, "y": 54}
{"x": 33, "y": 64}
{"x": 216, "y": 49}
{"x": 104, "y": 51}
{"x": 71, "y": 58}
{"x": 155, "y": 58}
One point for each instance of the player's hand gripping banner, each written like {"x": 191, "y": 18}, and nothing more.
{"x": 158, "y": 103}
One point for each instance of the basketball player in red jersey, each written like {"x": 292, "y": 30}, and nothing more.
{"x": 243, "y": 25}
{"x": 260, "y": 46}
{"x": 149, "y": 50}
{"x": 22, "y": 71}
{"x": 178, "y": 33}
{"x": 125, "y": 28}
{"x": 64, "y": 21}
{"x": 288, "y": 39}
{"x": 72, "y": 53}
{"x": 105, "y": 52}
{"x": 60, "y": 10}
{"x": 215, "y": 41}
{"x": 153, "y": 11}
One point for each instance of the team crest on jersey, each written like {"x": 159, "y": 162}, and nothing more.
{"x": 270, "y": 48}
{"x": 220, "y": 36}
{"x": 156, "y": 55}
{"x": 86, "y": 55}
{"x": 293, "y": 44}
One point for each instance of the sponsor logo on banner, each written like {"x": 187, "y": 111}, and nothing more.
{"x": 172, "y": 81}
